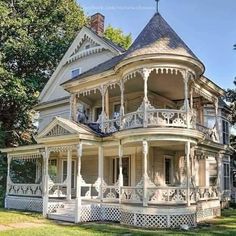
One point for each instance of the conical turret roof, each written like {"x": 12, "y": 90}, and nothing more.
{"x": 159, "y": 37}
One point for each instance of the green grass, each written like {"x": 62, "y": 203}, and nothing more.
{"x": 225, "y": 225}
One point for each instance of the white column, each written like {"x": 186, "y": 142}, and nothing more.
{"x": 145, "y": 174}
{"x": 191, "y": 98}
{"x": 69, "y": 163}
{"x": 78, "y": 184}
{"x": 186, "y": 102}
{"x": 187, "y": 153}
{"x": 46, "y": 155}
{"x": 216, "y": 105}
{"x": 219, "y": 164}
{"x": 122, "y": 89}
{"x": 103, "y": 90}
{"x": 100, "y": 169}
{"x": 121, "y": 180}
{"x": 8, "y": 172}
{"x": 146, "y": 73}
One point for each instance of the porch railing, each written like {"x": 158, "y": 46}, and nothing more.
{"x": 57, "y": 190}
{"x": 168, "y": 195}
{"x": 29, "y": 190}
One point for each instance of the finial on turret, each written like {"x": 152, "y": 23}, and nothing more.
{"x": 157, "y": 7}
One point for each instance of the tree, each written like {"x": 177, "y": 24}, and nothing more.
{"x": 117, "y": 36}
{"x": 231, "y": 97}
{"x": 34, "y": 35}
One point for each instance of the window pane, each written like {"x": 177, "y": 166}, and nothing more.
{"x": 75, "y": 72}
{"x": 167, "y": 171}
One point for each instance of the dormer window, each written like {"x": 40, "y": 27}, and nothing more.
{"x": 75, "y": 72}
{"x": 87, "y": 46}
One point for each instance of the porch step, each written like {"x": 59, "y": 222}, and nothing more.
{"x": 62, "y": 217}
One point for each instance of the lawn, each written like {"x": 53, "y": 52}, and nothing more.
{"x": 14, "y": 223}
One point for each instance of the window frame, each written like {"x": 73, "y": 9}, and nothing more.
{"x": 77, "y": 74}
{"x": 226, "y": 176}
{"x": 225, "y": 131}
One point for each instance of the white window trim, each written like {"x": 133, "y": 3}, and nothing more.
{"x": 229, "y": 182}
{"x": 76, "y": 68}
{"x": 171, "y": 169}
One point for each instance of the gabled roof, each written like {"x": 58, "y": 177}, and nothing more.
{"x": 157, "y": 37}
{"x": 61, "y": 127}
{"x": 85, "y": 32}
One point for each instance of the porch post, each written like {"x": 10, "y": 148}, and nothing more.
{"x": 8, "y": 173}
{"x": 191, "y": 98}
{"x": 69, "y": 157}
{"x": 46, "y": 155}
{"x": 218, "y": 161}
{"x": 121, "y": 180}
{"x": 100, "y": 169}
{"x": 78, "y": 184}
{"x": 187, "y": 152}
{"x": 186, "y": 102}
{"x": 122, "y": 89}
{"x": 145, "y": 174}
{"x": 146, "y": 73}
{"x": 103, "y": 91}
{"x": 216, "y": 105}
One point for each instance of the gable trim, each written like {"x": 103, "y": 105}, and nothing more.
{"x": 84, "y": 31}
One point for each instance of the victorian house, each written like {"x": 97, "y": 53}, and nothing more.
{"x": 138, "y": 137}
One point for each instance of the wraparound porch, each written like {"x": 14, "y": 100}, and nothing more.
{"x": 143, "y": 182}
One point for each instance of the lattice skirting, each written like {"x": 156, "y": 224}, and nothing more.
{"x": 157, "y": 221}
{"x": 24, "y": 203}
{"x": 208, "y": 213}
{"x": 208, "y": 210}
{"x": 97, "y": 212}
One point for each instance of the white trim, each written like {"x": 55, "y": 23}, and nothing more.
{"x": 84, "y": 32}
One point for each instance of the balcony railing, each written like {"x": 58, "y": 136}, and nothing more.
{"x": 149, "y": 117}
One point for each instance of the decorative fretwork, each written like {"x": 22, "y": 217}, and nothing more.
{"x": 63, "y": 148}
{"x": 57, "y": 131}
{"x": 26, "y": 156}
{"x": 32, "y": 190}
{"x": 57, "y": 189}
{"x": 111, "y": 192}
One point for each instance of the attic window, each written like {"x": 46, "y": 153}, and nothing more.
{"x": 87, "y": 46}
{"x": 75, "y": 72}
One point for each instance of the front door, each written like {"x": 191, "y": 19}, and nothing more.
{"x": 126, "y": 170}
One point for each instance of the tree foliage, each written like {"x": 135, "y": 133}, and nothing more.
{"x": 34, "y": 35}
{"x": 117, "y": 36}
{"x": 231, "y": 97}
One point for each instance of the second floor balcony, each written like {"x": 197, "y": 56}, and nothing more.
{"x": 156, "y": 97}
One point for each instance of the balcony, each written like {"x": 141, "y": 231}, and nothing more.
{"x": 166, "y": 98}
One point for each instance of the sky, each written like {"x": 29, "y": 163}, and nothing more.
{"x": 208, "y": 27}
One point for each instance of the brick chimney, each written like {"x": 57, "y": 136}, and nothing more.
{"x": 97, "y": 23}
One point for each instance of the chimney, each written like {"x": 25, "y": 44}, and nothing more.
{"x": 97, "y": 23}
